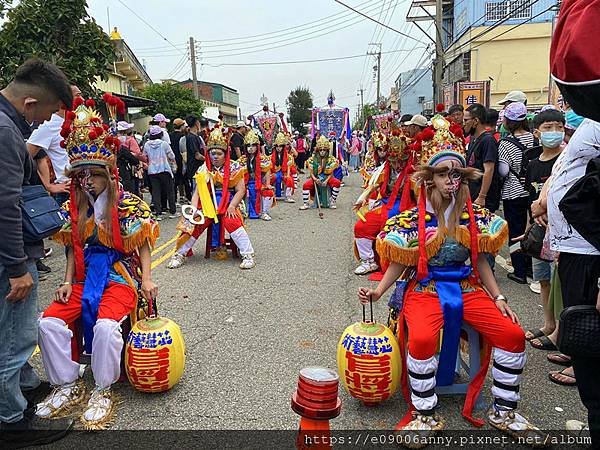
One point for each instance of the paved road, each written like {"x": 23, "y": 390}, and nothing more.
{"x": 248, "y": 333}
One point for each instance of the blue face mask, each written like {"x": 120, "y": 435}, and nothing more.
{"x": 552, "y": 139}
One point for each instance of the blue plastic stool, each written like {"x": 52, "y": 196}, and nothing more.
{"x": 471, "y": 368}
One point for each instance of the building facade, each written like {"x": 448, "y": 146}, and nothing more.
{"x": 226, "y": 99}
{"x": 504, "y": 41}
{"x": 414, "y": 90}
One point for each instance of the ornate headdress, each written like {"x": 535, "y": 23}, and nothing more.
{"x": 379, "y": 140}
{"x": 216, "y": 139}
{"x": 281, "y": 139}
{"x": 323, "y": 144}
{"x": 251, "y": 138}
{"x": 441, "y": 141}
{"x": 87, "y": 140}
{"x": 397, "y": 146}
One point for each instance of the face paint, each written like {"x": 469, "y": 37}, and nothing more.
{"x": 83, "y": 178}
{"x": 323, "y": 152}
{"x": 455, "y": 179}
{"x": 381, "y": 153}
{"x": 252, "y": 149}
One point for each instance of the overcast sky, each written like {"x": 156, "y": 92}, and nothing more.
{"x": 311, "y": 35}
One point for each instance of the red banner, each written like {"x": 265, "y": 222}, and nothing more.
{"x": 267, "y": 126}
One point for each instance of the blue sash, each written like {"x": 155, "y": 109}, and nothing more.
{"x": 339, "y": 173}
{"x": 215, "y": 238}
{"x": 98, "y": 261}
{"x": 252, "y": 213}
{"x": 278, "y": 183}
{"x": 395, "y": 209}
{"x": 447, "y": 284}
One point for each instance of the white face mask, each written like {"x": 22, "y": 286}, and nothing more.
{"x": 122, "y": 138}
{"x": 323, "y": 153}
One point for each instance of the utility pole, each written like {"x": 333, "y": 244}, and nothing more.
{"x": 274, "y": 109}
{"x": 360, "y": 111}
{"x": 439, "y": 53}
{"x": 194, "y": 75}
{"x": 378, "y": 68}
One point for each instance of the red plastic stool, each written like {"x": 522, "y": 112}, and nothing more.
{"x": 229, "y": 244}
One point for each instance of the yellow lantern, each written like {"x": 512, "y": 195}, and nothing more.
{"x": 368, "y": 360}
{"x": 154, "y": 354}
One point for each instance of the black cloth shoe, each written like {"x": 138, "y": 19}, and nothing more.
{"x": 33, "y": 430}
{"x": 41, "y": 267}
{"x": 35, "y": 396}
{"x": 516, "y": 279}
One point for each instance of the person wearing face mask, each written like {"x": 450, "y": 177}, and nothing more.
{"x": 281, "y": 168}
{"x": 383, "y": 196}
{"x": 259, "y": 192}
{"x": 220, "y": 188}
{"x": 321, "y": 166}
{"x": 436, "y": 253}
{"x": 37, "y": 90}
{"x": 375, "y": 156}
{"x": 109, "y": 234}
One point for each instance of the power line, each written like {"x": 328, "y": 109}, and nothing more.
{"x": 383, "y": 25}
{"x": 148, "y": 24}
{"x": 299, "y": 61}
{"x": 325, "y": 27}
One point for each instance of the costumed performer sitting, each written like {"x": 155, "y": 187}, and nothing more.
{"x": 321, "y": 166}
{"x": 386, "y": 194}
{"x": 281, "y": 166}
{"x": 259, "y": 192}
{"x": 437, "y": 238}
{"x": 220, "y": 189}
{"x": 108, "y": 234}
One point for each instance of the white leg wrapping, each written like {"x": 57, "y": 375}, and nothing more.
{"x": 365, "y": 248}
{"x": 305, "y": 196}
{"x": 242, "y": 240}
{"x": 423, "y": 394}
{"x": 507, "y": 372}
{"x": 106, "y": 352}
{"x": 187, "y": 246}
{"x": 55, "y": 345}
{"x": 295, "y": 177}
{"x": 334, "y": 193}
{"x": 267, "y": 203}
{"x": 288, "y": 192}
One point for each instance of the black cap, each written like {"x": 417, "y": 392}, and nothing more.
{"x": 405, "y": 118}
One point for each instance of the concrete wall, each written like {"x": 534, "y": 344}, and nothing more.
{"x": 412, "y": 85}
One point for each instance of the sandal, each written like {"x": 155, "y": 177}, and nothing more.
{"x": 559, "y": 358}
{"x": 535, "y": 334}
{"x": 553, "y": 377}
{"x": 545, "y": 344}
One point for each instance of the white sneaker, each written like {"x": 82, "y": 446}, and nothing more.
{"x": 175, "y": 216}
{"x": 99, "y": 410}
{"x": 365, "y": 267}
{"x": 535, "y": 287}
{"x": 61, "y": 400}
{"x": 158, "y": 218}
{"x": 304, "y": 206}
{"x": 266, "y": 217}
{"x": 176, "y": 261}
{"x": 332, "y": 205}
{"x": 290, "y": 200}
{"x": 247, "y": 262}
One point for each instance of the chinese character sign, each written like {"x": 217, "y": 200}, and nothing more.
{"x": 267, "y": 125}
{"x": 369, "y": 362}
{"x": 331, "y": 122}
{"x": 154, "y": 355}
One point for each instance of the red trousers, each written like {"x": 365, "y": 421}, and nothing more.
{"x": 230, "y": 225}
{"x": 375, "y": 221}
{"x": 309, "y": 185}
{"x": 425, "y": 319}
{"x": 117, "y": 301}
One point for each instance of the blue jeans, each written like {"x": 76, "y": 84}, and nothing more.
{"x": 18, "y": 338}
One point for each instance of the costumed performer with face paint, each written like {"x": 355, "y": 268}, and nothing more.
{"x": 435, "y": 240}
{"x": 321, "y": 166}
{"x": 108, "y": 234}
{"x": 259, "y": 192}
{"x": 220, "y": 189}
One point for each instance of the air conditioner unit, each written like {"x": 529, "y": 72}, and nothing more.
{"x": 421, "y": 100}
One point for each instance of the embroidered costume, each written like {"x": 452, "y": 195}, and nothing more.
{"x": 281, "y": 169}
{"x": 259, "y": 193}
{"x": 387, "y": 192}
{"x": 321, "y": 167}
{"x": 217, "y": 188}
{"x": 105, "y": 248}
{"x": 447, "y": 290}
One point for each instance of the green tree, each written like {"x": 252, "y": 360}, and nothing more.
{"x": 60, "y": 31}
{"x": 299, "y": 104}
{"x": 368, "y": 110}
{"x": 4, "y": 6}
{"x": 173, "y": 100}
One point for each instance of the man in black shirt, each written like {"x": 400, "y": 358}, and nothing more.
{"x": 181, "y": 182}
{"x": 194, "y": 148}
{"x": 237, "y": 141}
{"x": 482, "y": 154}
